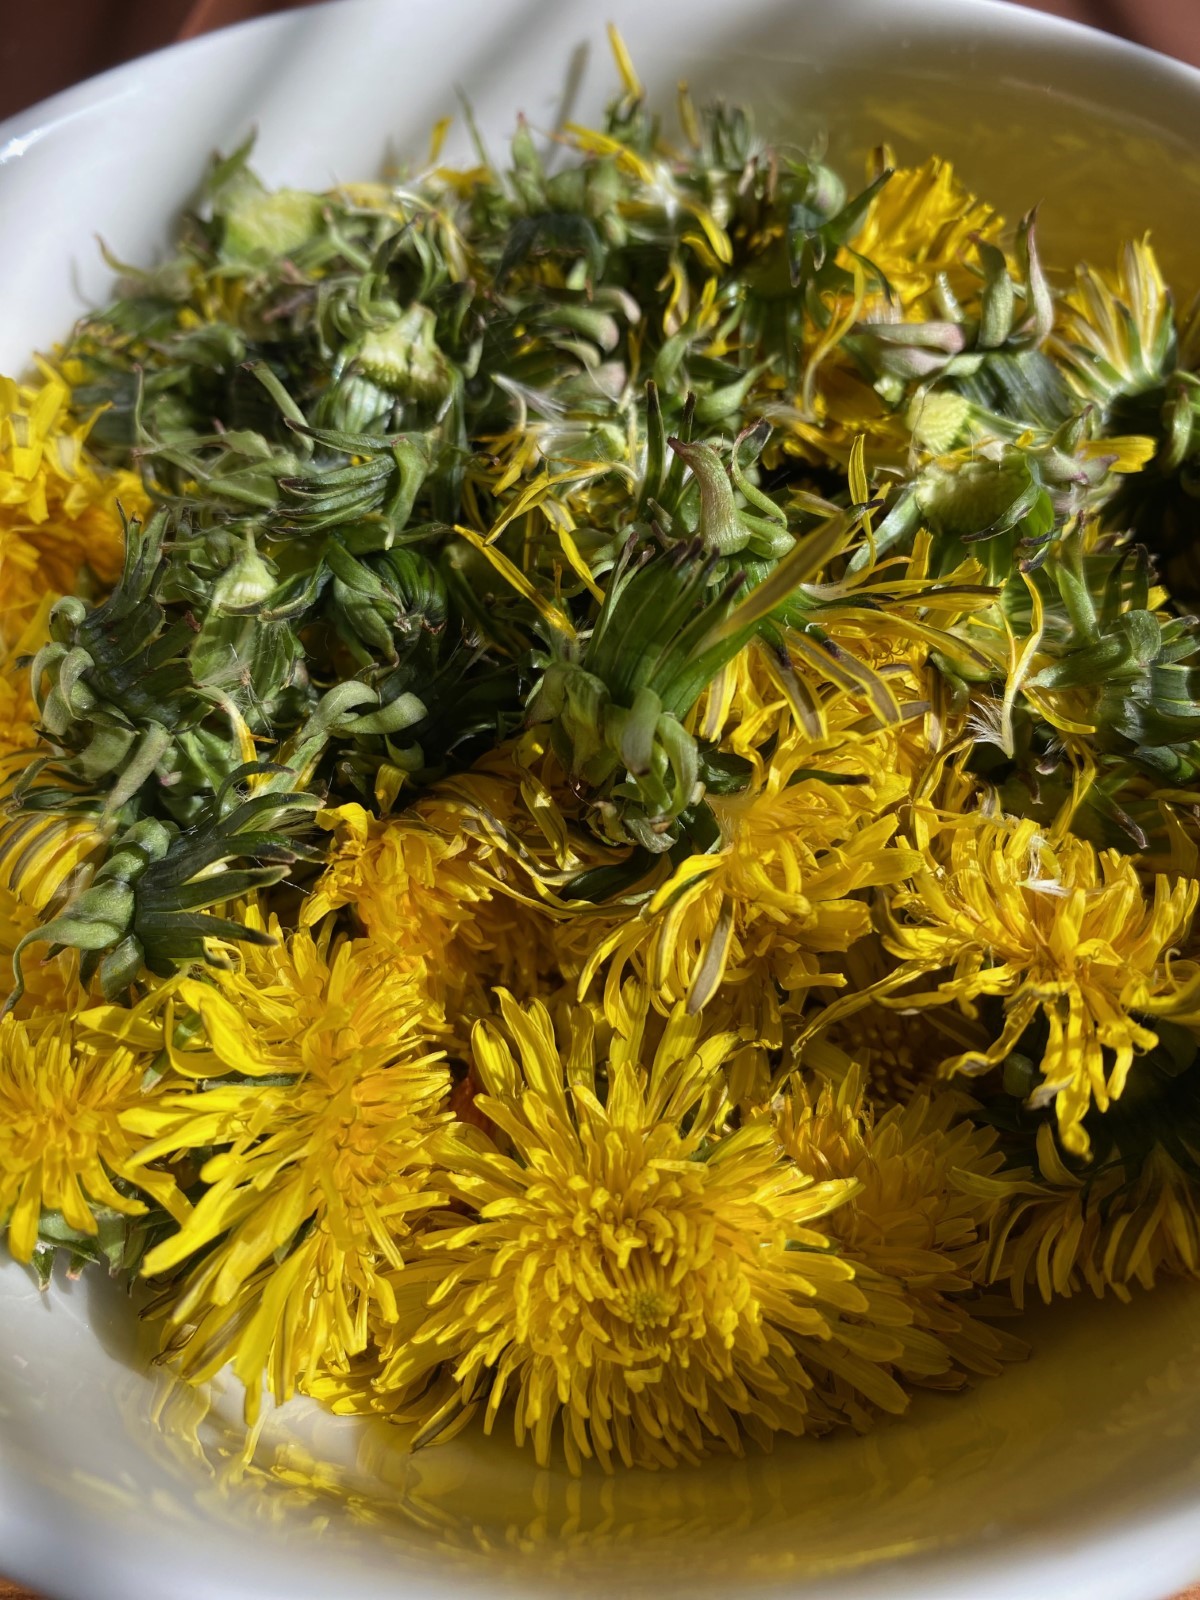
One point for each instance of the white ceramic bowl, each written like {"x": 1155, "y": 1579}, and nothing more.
{"x": 1076, "y": 1474}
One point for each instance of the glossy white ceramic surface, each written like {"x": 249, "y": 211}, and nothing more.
{"x": 1077, "y": 1474}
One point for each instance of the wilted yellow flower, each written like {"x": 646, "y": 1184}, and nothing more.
{"x": 58, "y": 509}
{"x": 1115, "y": 330}
{"x": 461, "y": 880}
{"x": 523, "y": 820}
{"x": 909, "y": 1220}
{"x": 631, "y": 1273}
{"x": 410, "y": 887}
{"x": 879, "y": 626}
{"x": 1061, "y": 1231}
{"x": 897, "y": 1052}
{"x": 897, "y": 1049}
{"x": 780, "y": 887}
{"x": 325, "y": 1172}
{"x": 419, "y": 893}
{"x": 1058, "y": 930}
{"x": 426, "y": 897}
{"x": 63, "y": 1143}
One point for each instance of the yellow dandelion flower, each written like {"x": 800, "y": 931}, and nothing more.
{"x": 259, "y": 1013}
{"x": 44, "y": 855}
{"x": 899, "y": 1051}
{"x": 463, "y": 880}
{"x": 918, "y": 231}
{"x": 427, "y": 897}
{"x": 921, "y": 225}
{"x": 18, "y": 710}
{"x": 746, "y": 704}
{"x": 909, "y": 1220}
{"x": 18, "y": 721}
{"x": 881, "y": 633}
{"x": 1115, "y": 331}
{"x": 64, "y": 1146}
{"x": 1060, "y": 931}
{"x": 322, "y": 1174}
{"x": 51, "y": 981}
{"x": 781, "y": 886}
{"x": 634, "y": 1278}
{"x": 890, "y": 614}
{"x": 58, "y": 510}
{"x": 524, "y": 821}
{"x": 28, "y": 878}
{"x": 413, "y": 888}
{"x": 859, "y": 1027}
{"x": 1061, "y": 1232}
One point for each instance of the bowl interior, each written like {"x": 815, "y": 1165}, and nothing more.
{"x": 1075, "y": 1473}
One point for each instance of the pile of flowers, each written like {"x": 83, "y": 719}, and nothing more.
{"x": 599, "y": 771}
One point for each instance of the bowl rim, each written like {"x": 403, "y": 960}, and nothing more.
{"x": 23, "y": 128}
